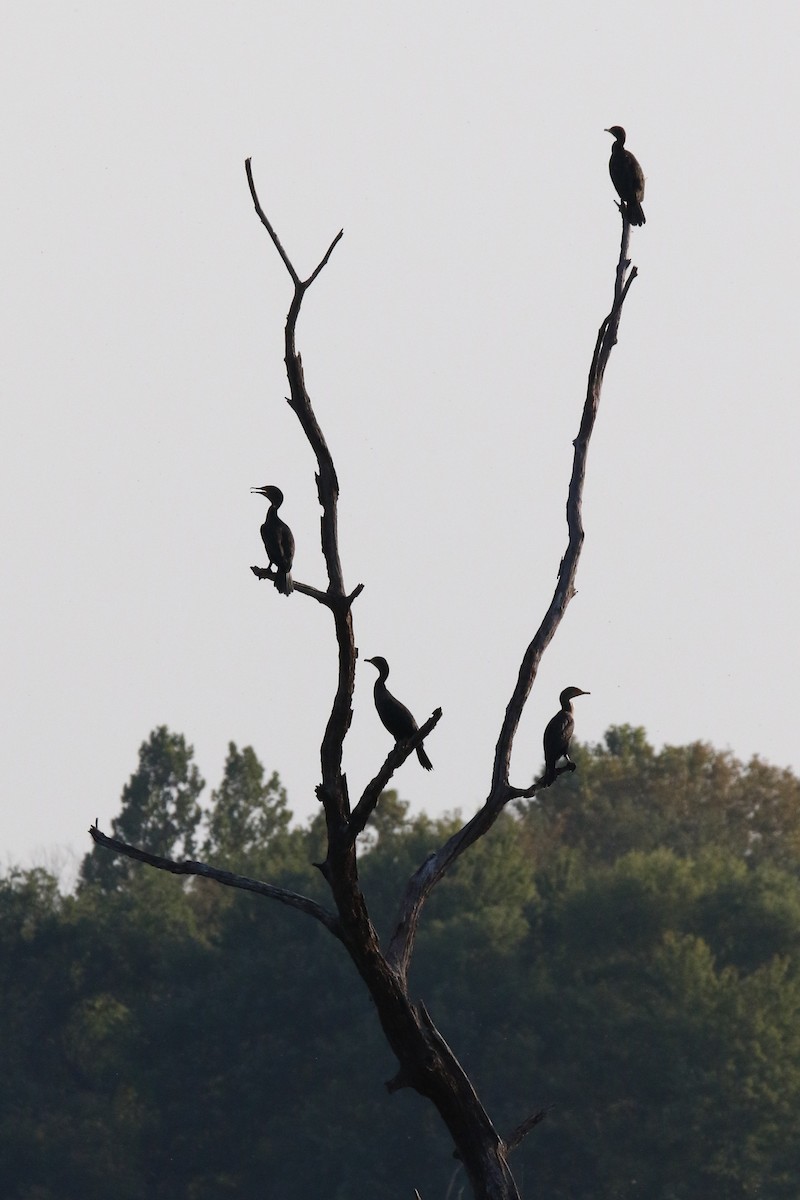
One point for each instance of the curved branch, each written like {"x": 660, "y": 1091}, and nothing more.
{"x": 226, "y": 878}
{"x": 568, "y": 568}
{"x": 436, "y": 865}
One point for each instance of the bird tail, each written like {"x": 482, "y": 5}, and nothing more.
{"x": 635, "y": 213}
{"x": 423, "y": 758}
{"x": 283, "y": 582}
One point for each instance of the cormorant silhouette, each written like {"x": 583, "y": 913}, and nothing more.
{"x": 557, "y": 734}
{"x": 627, "y": 176}
{"x": 277, "y": 538}
{"x": 395, "y": 716}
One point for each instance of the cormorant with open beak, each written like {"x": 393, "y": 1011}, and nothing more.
{"x": 395, "y": 716}
{"x": 557, "y": 734}
{"x": 277, "y": 538}
{"x": 627, "y": 176}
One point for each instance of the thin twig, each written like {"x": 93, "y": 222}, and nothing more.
{"x": 308, "y": 282}
{"x": 524, "y": 1128}
{"x": 262, "y": 216}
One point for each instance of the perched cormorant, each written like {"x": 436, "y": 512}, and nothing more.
{"x": 557, "y": 734}
{"x": 627, "y": 176}
{"x": 395, "y": 716}
{"x": 277, "y": 538}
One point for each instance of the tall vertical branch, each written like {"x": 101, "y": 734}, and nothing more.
{"x": 437, "y": 864}
{"x": 333, "y": 786}
{"x": 568, "y": 568}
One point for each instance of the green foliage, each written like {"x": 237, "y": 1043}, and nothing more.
{"x": 624, "y": 796}
{"x": 626, "y": 951}
{"x": 246, "y": 814}
{"x": 160, "y": 809}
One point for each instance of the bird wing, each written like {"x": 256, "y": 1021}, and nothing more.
{"x": 557, "y": 734}
{"x": 636, "y": 176}
{"x": 285, "y": 540}
{"x": 395, "y": 716}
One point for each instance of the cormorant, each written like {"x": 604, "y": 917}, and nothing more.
{"x": 627, "y": 176}
{"x": 277, "y": 538}
{"x": 557, "y": 734}
{"x": 395, "y": 716}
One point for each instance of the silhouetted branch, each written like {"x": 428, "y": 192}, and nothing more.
{"x": 394, "y": 759}
{"x": 539, "y": 785}
{"x": 298, "y": 283}
{"x": 435, "y": 866}
{"x": 565, "y": 586}
{"x": 226, "y": 878}
{"x": 522, "y": 1130}
{"x": 305, "y": 589}
{"x": 334, "y": 783}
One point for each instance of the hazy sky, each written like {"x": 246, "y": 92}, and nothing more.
{"x": 446, "y": 347}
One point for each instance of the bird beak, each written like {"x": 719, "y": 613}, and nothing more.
{"x": 260, "y": 491}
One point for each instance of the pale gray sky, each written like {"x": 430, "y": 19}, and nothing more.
{"x": 446, "y": 348}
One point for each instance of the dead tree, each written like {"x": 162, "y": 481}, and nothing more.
{"x": 425, "y": 1061}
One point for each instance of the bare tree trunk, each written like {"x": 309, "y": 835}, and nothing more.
{"x": 426, "y": 1062}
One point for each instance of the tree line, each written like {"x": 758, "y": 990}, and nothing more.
{"x": 620, "y": 953}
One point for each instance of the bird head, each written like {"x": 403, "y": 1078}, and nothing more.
{"x": 619, "y": 133}
{"x": 379, "y": 663}
{"x": 273, "y": 494}
{"x": 570, "y": 693}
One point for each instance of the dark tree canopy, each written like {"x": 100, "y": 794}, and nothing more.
{"x": 160, "y": 810}
{"x": 643, "y": 988}
{"x": 625, "y": 795}
{"x": 246, "y": 812}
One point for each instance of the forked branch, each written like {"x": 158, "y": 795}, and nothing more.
{"x": 334, "y": 786}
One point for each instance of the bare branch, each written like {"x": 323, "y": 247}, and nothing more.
{"x": 287, "y": 262}
{"x": 305, "y": 589}
{"x": 539, "y": 785}
{"x": 523, "y": 1129}
{"x": 565, "y": 586}
{"x": 328, "y": 253}
{"x": 394, "y": 759}
{"x": 334, "y": 784}
{"x": 436, "y": 865}
{"x": 226, "y": 878}
{"x": 262, "y": 216}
